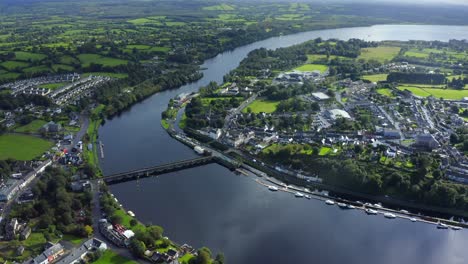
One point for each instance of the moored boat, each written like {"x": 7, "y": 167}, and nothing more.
{"x": 442, "y": 226}
{"x": 413, "y": 219}
{"x": 350, "y": 206}
{"x": 390, "y": 216}
{"x": 342, "y": 205}
{"x": 456, "y": 227}
{"x": 272, "y": 188}
{"x": 371, "y": 211}
{"x": 307, "y": 196}
{"x": 330, "y": 202}
{"x": 299, "y": 195}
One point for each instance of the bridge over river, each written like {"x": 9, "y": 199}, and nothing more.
{"x": 159, "y": 169}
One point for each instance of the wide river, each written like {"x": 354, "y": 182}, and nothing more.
{"x": 210, "y": 206}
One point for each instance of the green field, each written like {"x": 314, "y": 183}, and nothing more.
{"x": 220, "y": 7}
{"x": 36, "y": 69}
{"x": 436, "y": 92}
{"x": 375, "y": 77}
{"x": 22, "y": 147}
{"x": 87, "y": 59}
{"x": 324, "y": 151}
{"x": 385, "y": 91}
{"x": 11, "y": 65}
{"x": 112, "y": 257}
{"x": 28, "y": 56}
{"x": 381, "y": 54}
{"x": 259, "y": 106}
{"x": 32, "y": 127}
{"x": 312, "y": 67}
{"x": 9, "y": 76}
{"x": 320, "y": 57}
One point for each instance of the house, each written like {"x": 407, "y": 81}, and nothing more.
{"x": 77, "y": 254}
{"x": 80, "y": 186}
{"x": 25, "y": 233}
{"x": 11, "y": 229}
{"x": 338, "y": 113}
{"x": 50, "y": 254}
{"x": 426, "y": 141}
{"x": 51, "y": 127}
{"x": 320, "y": 96}
{"x": 19, "y": 251}
{"x": 8, "y": 189}
{"x": 391, "y": 134}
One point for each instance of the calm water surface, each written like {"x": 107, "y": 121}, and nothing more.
{"x": 210, "y": 206}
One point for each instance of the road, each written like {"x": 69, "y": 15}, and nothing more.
{"x": 96, "y": 215}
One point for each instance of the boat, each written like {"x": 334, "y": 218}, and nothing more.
{"x": 342, "y": 205}
{"x": 299, "y": 195}
{"x": 307, "y": 196}
{"x": 442, "y": 226}
{"x": 378, "y": 205}
{"x": 456, "y": 228}
{"x": 371, "y": 211}
{"x": 389, "y": 216}
{"x": 272, "y": 188}
{"x": 350, "y": 206}
{"x": 330, "y": 202}
{"x": 413, "y": 219}
{"x": 404, "y": 211}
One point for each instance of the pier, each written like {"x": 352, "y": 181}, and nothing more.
{"x": 159, "y": 169}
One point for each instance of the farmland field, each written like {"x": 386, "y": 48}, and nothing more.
{"x": 375, "y": 77}
{"x": 259, "y": 106}
{"x": 22, "y": 147}
{"x": 312, "y": 67}
{"x": 28, "y": 56}
{"x": 220, "y": 7}
{"x": 87, "y": 59}
{"x": 436, "y": 92}
{"x": 381, "y": 54}
{"x": 11, "y": 65}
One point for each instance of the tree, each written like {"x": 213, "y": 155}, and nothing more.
{"x": 203, "y": 257}
{"x": 116, "y": 219}
{"x": 89, "y": 230}
{"x": 137, "y": 247}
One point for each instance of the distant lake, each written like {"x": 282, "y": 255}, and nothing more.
{"x": 211, "y": 206}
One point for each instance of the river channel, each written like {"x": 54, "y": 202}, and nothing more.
{"x": 211, "y": 206}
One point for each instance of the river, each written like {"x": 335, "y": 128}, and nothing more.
{"x": 211, "y": 206}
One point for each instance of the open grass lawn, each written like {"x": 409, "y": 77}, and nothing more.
{"x": 29, "y": 56}
{"x": 375, "y": 77}
{"x": 385, "y": 91}
{"x": 383, "y": 53}
{"x": 259, "y": 106}
{"x": 112, "y": 257}
{"x": 68, "y": 60}
{"x": 312, "y": 67}
{"x": 11, "y": 65}
{"x": 22, "y": 147}
{"x": 324, "y": 151}
{"x": 87, "y": 59}
{"x": 436, "y": 92}
{"x": 185, "y": 258}
{"x": 32, "y": 127}
{"x": 73, "y": 239}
